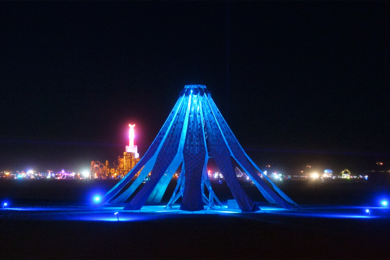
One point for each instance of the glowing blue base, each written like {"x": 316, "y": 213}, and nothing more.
{"x": 147, "y": 213}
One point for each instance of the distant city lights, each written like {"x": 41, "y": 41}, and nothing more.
{"x": 307, "y": 173}
{"x": 277, "y": 176}
{"x": 49, "y": 174}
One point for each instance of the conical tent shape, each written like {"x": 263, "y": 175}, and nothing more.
{"x": 194, "y": 132}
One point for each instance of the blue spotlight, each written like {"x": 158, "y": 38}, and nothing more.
{"x": 367, "y": 211}
{"x": 97, "y": 198}
{"x": 117, "y": 215}
{"x": 5, "y": 204}
{"x": 384, "y": 203}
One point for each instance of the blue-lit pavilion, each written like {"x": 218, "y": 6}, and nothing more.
{"x": 194, "y": 132}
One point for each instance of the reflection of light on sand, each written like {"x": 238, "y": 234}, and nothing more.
{"x": 176, "y": 210}
{"x": 321, "y": 215}
{"x": 147, "y": 213}
{"x": 338, "y": 212}
{"x": 217, "y": 210}
{"x": 46, "y": 209}
{"x": 110, "y": 217}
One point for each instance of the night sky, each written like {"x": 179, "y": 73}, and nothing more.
{"x": 299, "y": 82}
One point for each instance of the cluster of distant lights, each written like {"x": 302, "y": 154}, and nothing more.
{"x": 216, "y": 175}
{"x": 219, "y": 176}
{"x": 30, "y": 174}
{"x": 276, "y": 176}
{"x": 315, "y": 175}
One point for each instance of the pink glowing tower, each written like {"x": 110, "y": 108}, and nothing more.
{"x": 132, "y": 148}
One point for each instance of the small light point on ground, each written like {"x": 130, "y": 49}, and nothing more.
{"x": 96, "y": 199}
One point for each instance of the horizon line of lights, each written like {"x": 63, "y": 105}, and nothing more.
{"x": 215, "y": 175}
{"x": 49, "y": 174}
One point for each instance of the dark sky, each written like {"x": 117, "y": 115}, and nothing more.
{"x": 302, "y": 76}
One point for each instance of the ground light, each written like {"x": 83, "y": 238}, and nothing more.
{"x": 117, "y": 215}
{"x": 96, "y": 199}
{"x": 5, "y": 204}
{"x": 368, "y": 212}
{"x": 384, "y": 203}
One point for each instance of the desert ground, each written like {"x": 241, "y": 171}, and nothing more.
{"x": 56, "y": 219}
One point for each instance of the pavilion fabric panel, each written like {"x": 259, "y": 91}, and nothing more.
{"x": 194, "y": 155}
{"x": 220, "y": 153}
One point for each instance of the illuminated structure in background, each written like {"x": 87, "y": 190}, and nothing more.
{"x": 132, "y": 148}
{"x": 120, "y": 167}
{"x": 194, "y": 132}
{"x": 130, "y": 156}
{"x": 328, "y": 173}
{"x": 345, "y": 174}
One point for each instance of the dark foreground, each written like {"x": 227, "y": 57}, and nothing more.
{"x": 233, "y": 236}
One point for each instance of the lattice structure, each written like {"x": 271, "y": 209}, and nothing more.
{"x": 194, "y": 132}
